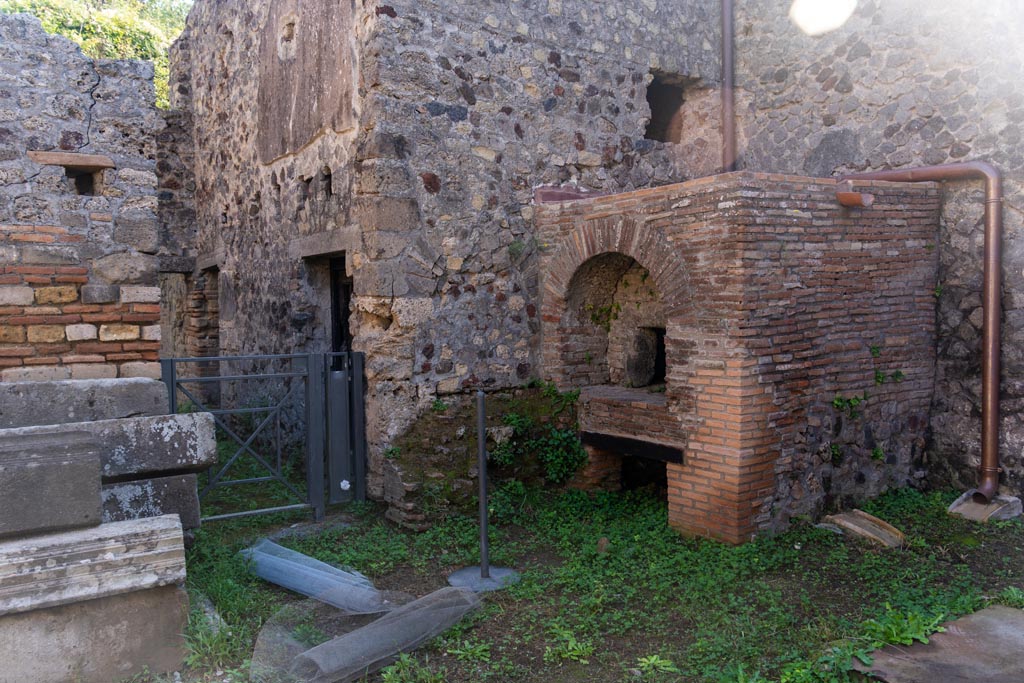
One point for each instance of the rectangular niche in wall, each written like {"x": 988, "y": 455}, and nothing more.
{"x": 84, "y": 170}
{"x": 665, "y": 97}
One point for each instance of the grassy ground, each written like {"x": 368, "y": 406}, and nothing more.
{"x": 610, "y": 593}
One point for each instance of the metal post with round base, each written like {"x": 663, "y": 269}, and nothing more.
{"x": 485, "y": 577}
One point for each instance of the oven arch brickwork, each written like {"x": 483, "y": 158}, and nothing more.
{"x": 777, "y": 301}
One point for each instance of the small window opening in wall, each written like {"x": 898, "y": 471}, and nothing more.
{"x": 87, "y": 183}
{"x": 341, "y": 301}
{"x": 665, "y": 96}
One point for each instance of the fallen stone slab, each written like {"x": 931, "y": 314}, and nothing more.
{"x": 88, "y": 564}
{"x": 984, "y": 646}
{"x": 24, "y": 404}
{"x": 97, "y": 641}
{"x": 860, "y": 523}
{"x": 174, "y": 495}
{"x": 48, "y": 482}
{"x": 140, "y": 446}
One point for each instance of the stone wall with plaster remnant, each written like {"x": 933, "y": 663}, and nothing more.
{"x": 906, "y": 83}
{"x": 416, "y": 163}
{"x": 80, "y": 237}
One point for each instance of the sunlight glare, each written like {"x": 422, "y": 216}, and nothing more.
{"x": 815, "y": 17}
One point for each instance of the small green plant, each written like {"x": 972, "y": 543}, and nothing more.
{"x": 877, "y": 453}
{"x": 438, "y": 406}
{"x": 309, "y": 635}
{"x": 876, "y": 351}
{"x": 407, "y": 669}
{"x": 880, "y": 377}
{"x": 560, "y": 453}
{"x": 656, "y": 664}
{"x": 602, "y": 316}
{"x": 516, "y": 249}
{"x": 837, "y": 454}
{"x": 392, "y": 452}
{"x": 902, "y": 628}
{"x": 566, "y": 646}
{"x": 849, "y": 405}
{"x": 471, "y": 651}
{"x": 897, "y": 376}
{"x": 937, "y": 291}
{"x": 1011, "y": 596}
{"x": 588, "y": 358}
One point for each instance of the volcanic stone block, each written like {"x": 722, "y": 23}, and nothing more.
{"x": 48, "y": 482}
{"x": 24, "y": 404}
{"x": 152, "y": 498}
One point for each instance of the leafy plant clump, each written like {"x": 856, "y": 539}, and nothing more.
{"x": 114, "y": 29}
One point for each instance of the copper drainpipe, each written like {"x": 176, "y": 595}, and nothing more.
{"x": 988, "y": 472}
{"x": 728, "y": 89}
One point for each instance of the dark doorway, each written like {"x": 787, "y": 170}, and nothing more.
{"x": 659, "y": 355}
{"x": 341, "y": 299}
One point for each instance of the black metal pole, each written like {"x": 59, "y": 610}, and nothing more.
{"x": 481, "y": 431}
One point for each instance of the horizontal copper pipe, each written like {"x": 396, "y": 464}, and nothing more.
{"x": 988, "y": 472}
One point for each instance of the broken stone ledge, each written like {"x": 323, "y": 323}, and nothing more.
{"x": 140, "y": 446}
{"x": 87, "y": 564}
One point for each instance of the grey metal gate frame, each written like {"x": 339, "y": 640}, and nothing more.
{"x": 334, "y": 424}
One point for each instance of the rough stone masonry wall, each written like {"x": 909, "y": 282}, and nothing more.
{"x": 777, "y": 301}
{"x": 78, "y": 291}
{"x": 424, "y": 175}
{"x": 905, "y": 83}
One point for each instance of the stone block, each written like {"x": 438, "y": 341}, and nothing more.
{"x": 12, "y": 334}
{"x": 117, "y": 332}
{"x": 81, "y": 332}
{"x": 26, "y": 404}
{"x": 152, "y": 333}
{"x": 134, "y": 294}
{"x": 64, "y": 294}
{"x": 141, "y": 233}
{"x": 48, "y": 482}
{"x": 127, "y": 268}
{"x": 176, "y": 495}
{"x": 35, "y": 374}
{"x": 141, "y": 446}
{"x": 45, "y": 334}
{"x": 99, "y": 294}
{"x": 49, "y": 255}
{"x": 386, "y": 213}
{"x": 88, "y": 564}
{"x": 98, "y": 641}
{"x": 139, "y": 369}
{"x": 93, "y": 371}
{"x": 16, "y": 296}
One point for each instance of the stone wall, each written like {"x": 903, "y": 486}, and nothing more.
{"x": 445, "y": 116}
{"x": 800, "y": 338}
{"x": 80, "y": 238}
{"x": 906, "y": 83}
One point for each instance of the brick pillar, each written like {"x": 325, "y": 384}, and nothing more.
{"x": 728, "y": 465}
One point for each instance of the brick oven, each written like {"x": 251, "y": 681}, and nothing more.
{"x": 774, "y": 349}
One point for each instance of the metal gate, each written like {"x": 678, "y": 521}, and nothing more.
{"x": 290, "y": 429}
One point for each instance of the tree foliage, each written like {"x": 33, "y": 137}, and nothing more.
{"x": 114, "y": 29}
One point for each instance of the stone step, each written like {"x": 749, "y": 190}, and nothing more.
{"x": 86, "y": 564}
{"x": 177, "y": 494}
{"x": 49, "y": 482}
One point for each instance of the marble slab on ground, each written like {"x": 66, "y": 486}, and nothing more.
{"x": 984, "y": 646}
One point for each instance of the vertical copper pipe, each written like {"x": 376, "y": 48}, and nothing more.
{"x": 988, "y": 472}
{"x": 728, "y": 88}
